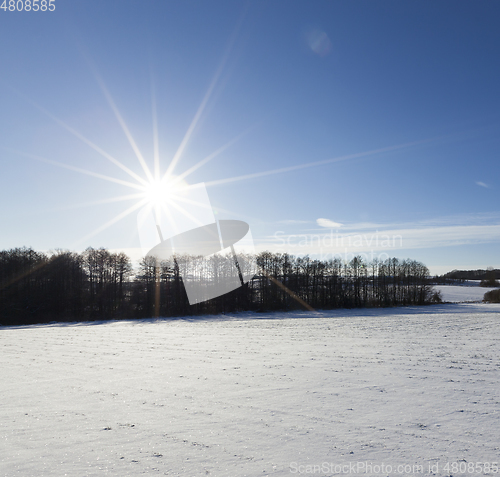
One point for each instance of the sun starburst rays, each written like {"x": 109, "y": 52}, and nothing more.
{"x": 156, "y": 149}
{"x": 111, "y": 221}
{"x": 162, "y": 192}
{"x": 84, "y": 139}
{"x": 121, "y": 121}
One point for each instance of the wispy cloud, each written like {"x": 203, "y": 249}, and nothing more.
{"x": 482, "y": 184}
{"x": 389, "y": 238}
{"x": 329, "y": 224}
{"x": 451, "y": 220}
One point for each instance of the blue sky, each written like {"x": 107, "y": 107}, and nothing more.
{"x": 391, "y": 109}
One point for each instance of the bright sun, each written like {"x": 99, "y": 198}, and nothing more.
{"x": 160, "y": 192}
{"x": 156, "y": 192}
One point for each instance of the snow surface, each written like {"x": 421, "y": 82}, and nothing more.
{"x": 253, "y": 394}
{"x": 462, "y": 294}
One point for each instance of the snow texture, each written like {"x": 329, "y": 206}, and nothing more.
{"x": 462, "y": 294}
{"x": 254, "y": 394}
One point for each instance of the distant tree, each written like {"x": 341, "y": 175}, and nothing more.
{"x": 22, "y": 286}
{"x": 493, "y": 296}
{"x": 436, "y": 297}
{"x": 489, "y": 279}
{"x": 107, "y": 274}
{"x": 65, "y": 283}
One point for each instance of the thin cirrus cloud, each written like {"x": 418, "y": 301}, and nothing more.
{"x": 328, "y": 224}
{"x": 482, "y": 184}
{"x": 389, "y": 238}
{"x": 318, "y": 41}
{"x": 380, "y": 241}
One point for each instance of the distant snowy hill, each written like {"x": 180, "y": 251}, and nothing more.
{"x": 466, "y": 293}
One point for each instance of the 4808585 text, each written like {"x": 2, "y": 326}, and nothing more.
{"x": 28, "y": 5}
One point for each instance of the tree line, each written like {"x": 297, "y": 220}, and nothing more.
{"x": 98, "y": 284}
{"x": 460, "y": 276}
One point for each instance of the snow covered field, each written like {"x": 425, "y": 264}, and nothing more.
{"x": 255, "y": 395}
{"x": 462, "y": 293}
